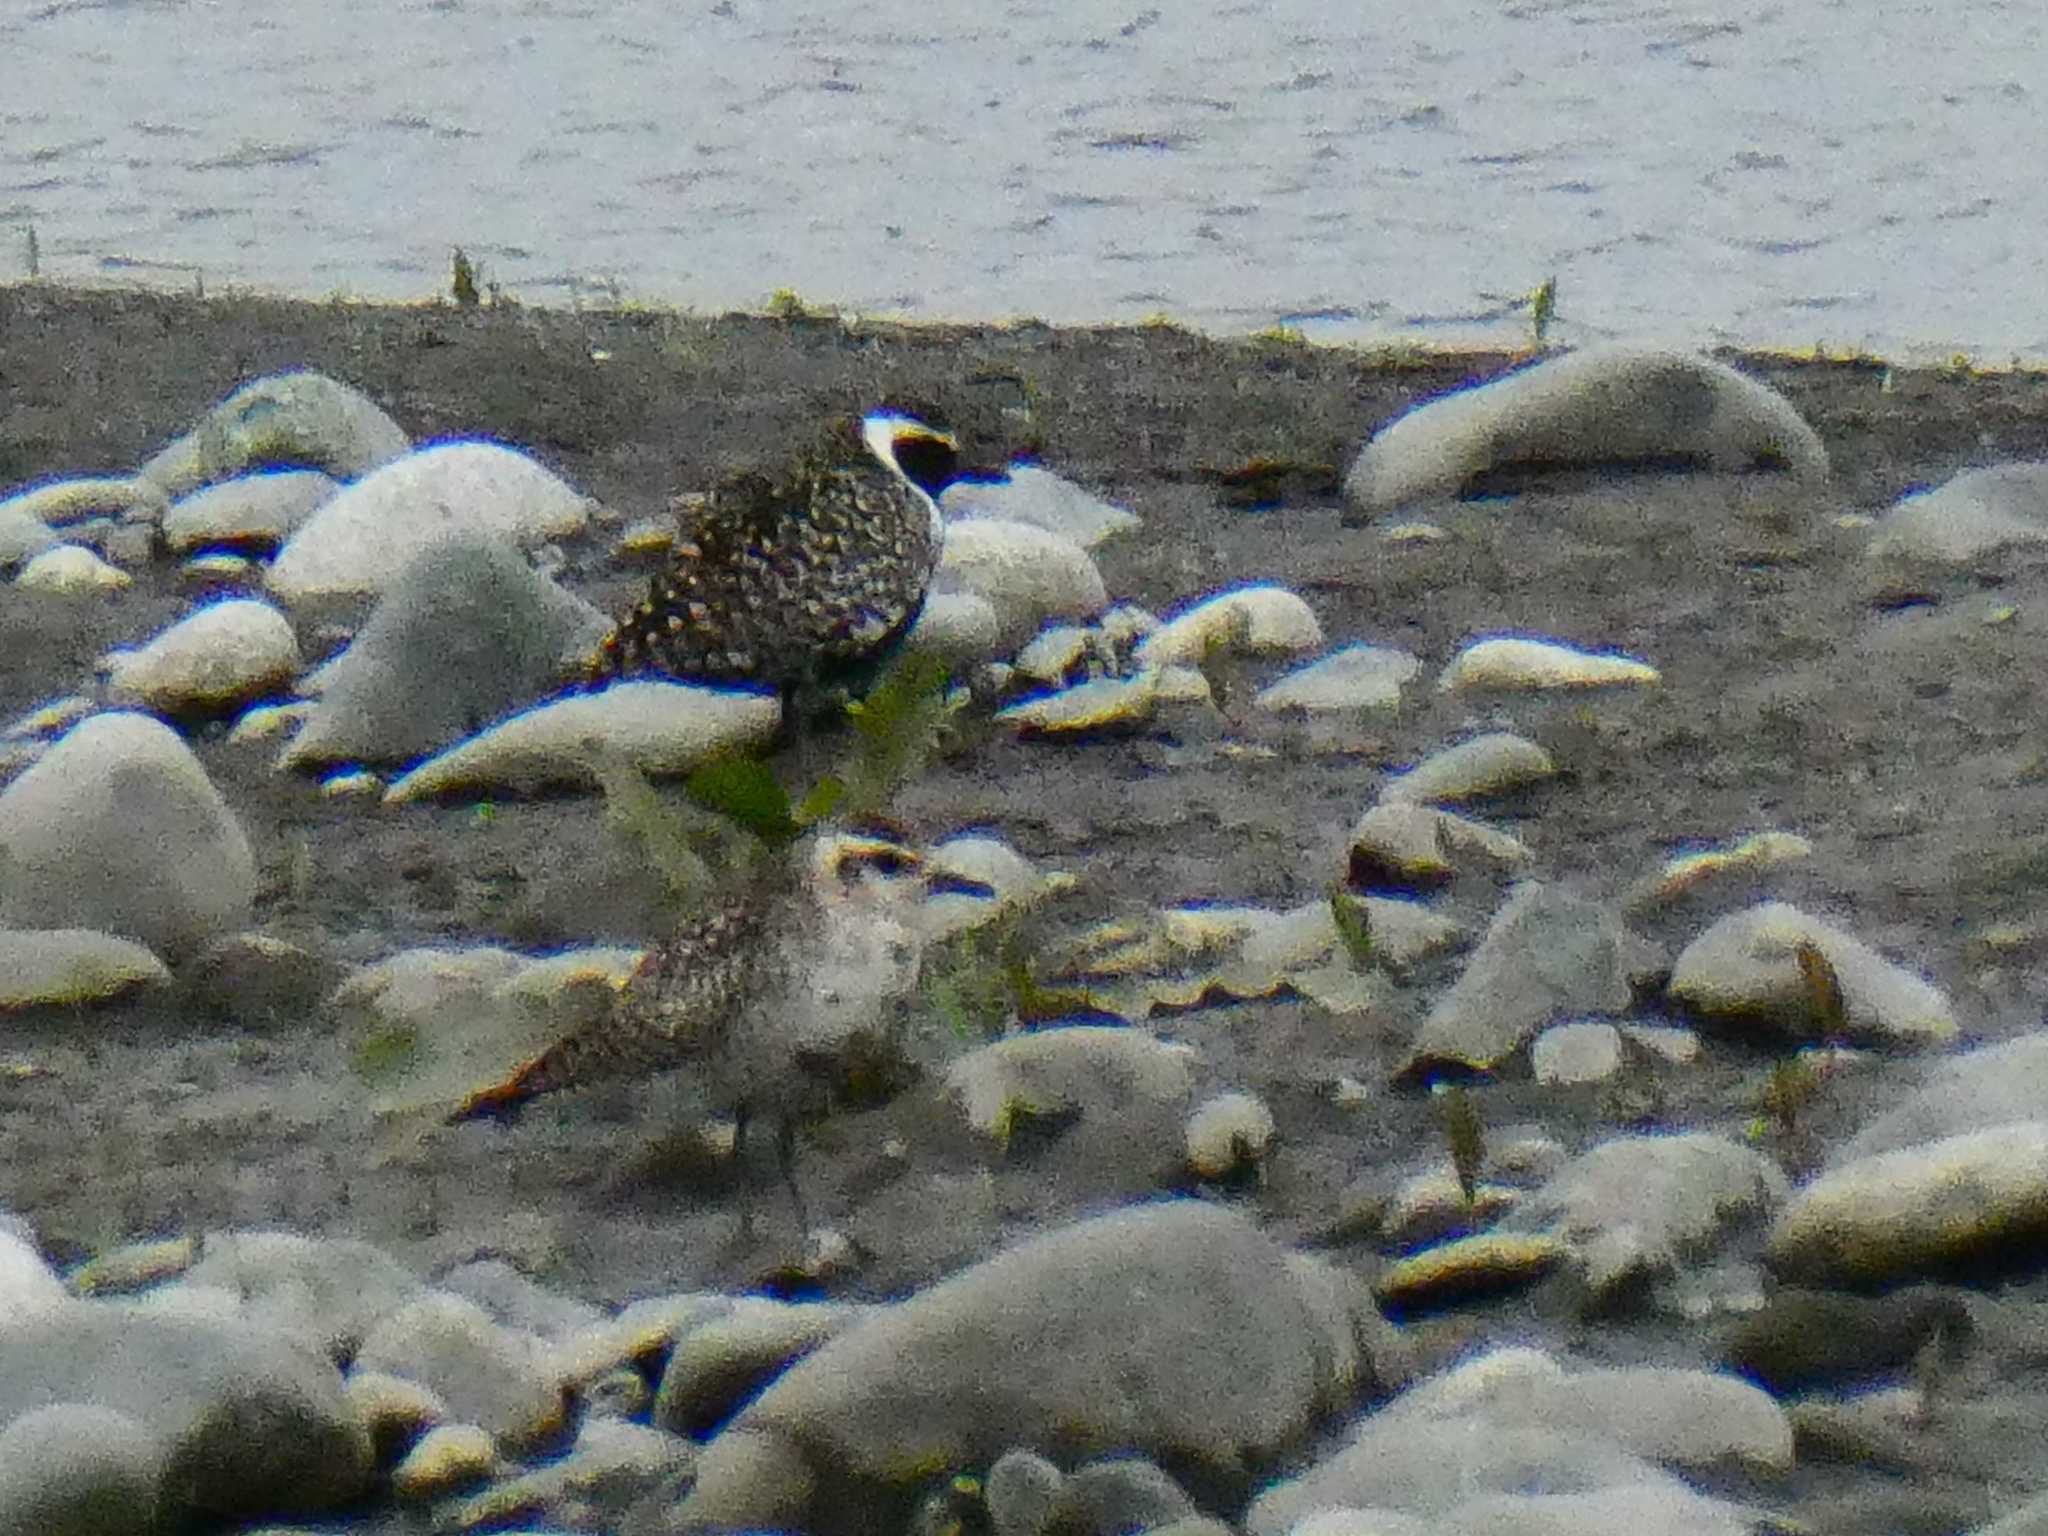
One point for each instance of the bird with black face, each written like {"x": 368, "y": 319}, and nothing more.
{"x": 789, "y": 581}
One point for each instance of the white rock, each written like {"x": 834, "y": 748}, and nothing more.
{"x": 1349, "y": 678}
{"x": 221, "y": 655}
{"x": 40, "y": 966}
{"x": 961, "y": 627}
{"x": 1983, "y": 1194}
{"x": 362, "y": 539}
{"x": 53, "y": 718}
{"x": 1752, "y": 855}
{"x": 62, "y": 502}
{"x": 1576, "y": 1053}
{"x": 1602, "y": 405}
{"x": 1493, "y": 764}
{"x": 1972, "y": 514}
{"x": 1228, "y": 1132}
{"x": 266, "y": 722}
{"x": 1108, "y": 701}
{"x": 1257, "y": 620}
{"x": 1053, "y": 653}
{"x": 22, "y": 535}
{"x": 1041, "y": 498}
{"x": 118, "y": 828}
{"x": 1027, "y": 574}
{"x": 1634, "y": 1207}
{"x": 294, "y": 418}
{"x": 71, "y": 571}
{"x": 1746, "y": 967}
{"x": 258, "y": 511}
{"x": 1090, "y": 1067}
{"x": 661, "y": 728}
{"x": 1404, "y": 844}
{"x": 1512, "y": 661}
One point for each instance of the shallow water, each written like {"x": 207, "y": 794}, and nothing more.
{"x": 1845, "y": 172}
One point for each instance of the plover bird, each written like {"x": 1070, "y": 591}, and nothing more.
{"x": 784, "y": 583}
{"x": 763, "y": 1000}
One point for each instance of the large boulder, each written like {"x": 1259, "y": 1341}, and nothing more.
{"x": 1605, "y": 405}
{"x": 248, "y": 1423}
{"x": 468, "y": 633}
{"x": 361, "y": 540}
{"x": 1175, "y": 1329}
{"x": 118, "y": 828}
{"x": 297, "y": 419}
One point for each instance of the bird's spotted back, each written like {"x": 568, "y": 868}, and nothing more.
{"x": 777, "y": 583}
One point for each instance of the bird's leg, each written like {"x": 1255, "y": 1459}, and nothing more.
{"x": 785, "y": 1154}
{"x": 785, "y": 1159}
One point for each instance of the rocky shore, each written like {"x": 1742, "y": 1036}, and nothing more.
{"x": 1487, "y": 981}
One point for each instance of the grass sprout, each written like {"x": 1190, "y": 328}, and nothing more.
{"x": 1464, "y": 1133}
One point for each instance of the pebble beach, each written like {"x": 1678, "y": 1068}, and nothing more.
{"x": 1466, "y": 949}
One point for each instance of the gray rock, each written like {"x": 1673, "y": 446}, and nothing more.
{"x": 118, "y": 828}
{"x": 1629, "y": 1511}
{"x": 248, "y": 1422}
{"x": 487, "y": 1374}
{"x": 1976, "y": 1091}
{"x": 1635, "y": 1207}
{"x": 23, "y": 536}
{"x": 1683, "y": 1418}
{"x": 296, "y": 418}
{"x": 1547, "y": 953}
{"x": 611, "y": 1465}
{"x": 1022, "y": 1491}
{"x": 660, "y": 728}
{"x": 368, "y": 534}
{"x": 28, "y": 1286}
{"x": 251, "y": 512}
{"x": 1120, "y": 1496}
{"x": 1041, "y": 498}
{"x": 1604, "y": 405}
{"x": 1495, "y": 764}
{"x": 1406, "y": 846}
{"x": 1952, "y": 525}
{"x": 326, "y": 1291}
{"x": 75, "y": 1469}
{"x": 57, "y": 966}
{"x": 1428, "y": 1470}
{"x": 1576, "y": 1053}
{"x": 1981, "y": 1195}
{"x": 1173, "y": 1328}
{"x": 1746, "y": 967}
{"x": 1105, "y": 1071}
{"x": 1804, "y": 1338}
{"x": 467, "y": 633}
{"x": 715, "y": 1367}
{"x": 518, "y": 1302}
{"x": 83, "y": 498}
{"x": 2030, "y": 1519}
{"x": 220, "y": 655}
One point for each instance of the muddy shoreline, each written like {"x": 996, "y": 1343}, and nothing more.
{"x": 1905, "y": 744}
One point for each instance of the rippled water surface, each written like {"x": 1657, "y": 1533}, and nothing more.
{"x": 1852, "y": 172}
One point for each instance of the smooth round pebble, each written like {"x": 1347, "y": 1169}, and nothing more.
{"x": 221, "y": 655}
{"x": 1227, "y": 1134}
{"x": 75, "y": 1469}
{"x": 446, "y": 1459}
